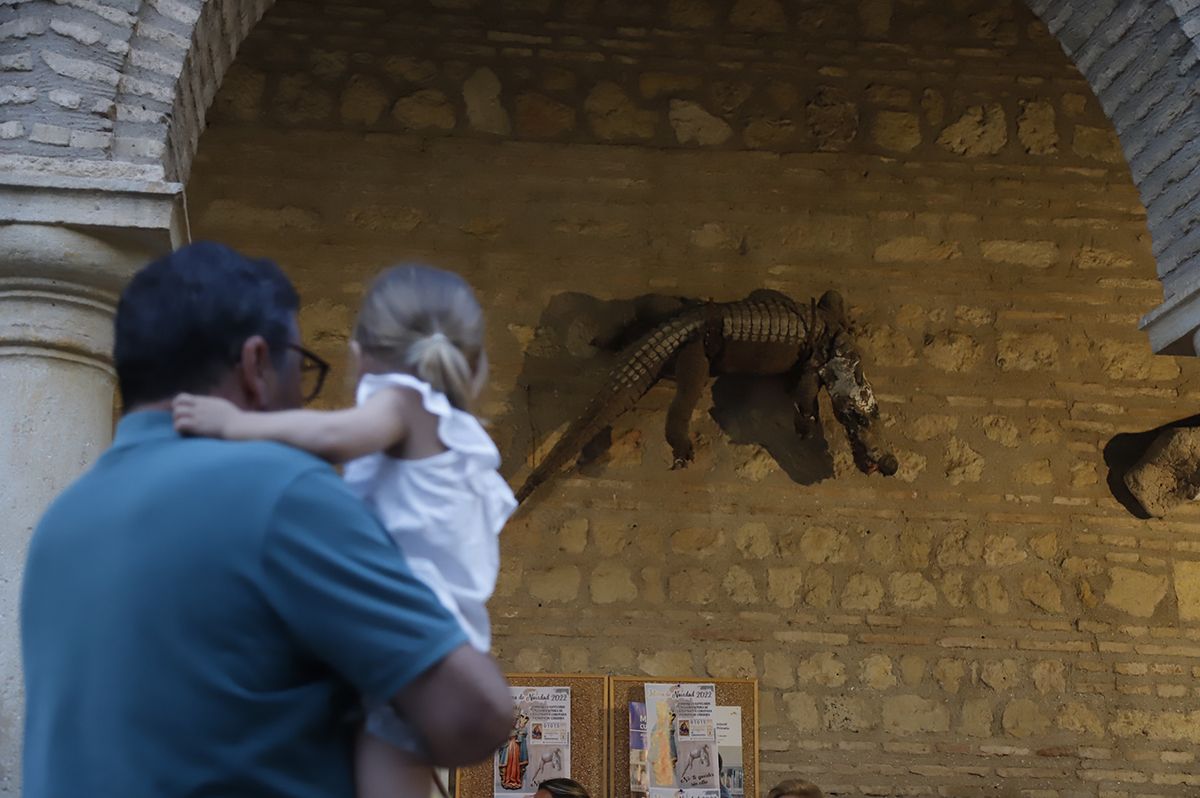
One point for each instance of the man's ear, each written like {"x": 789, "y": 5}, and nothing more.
{"x": 255, "y": 372}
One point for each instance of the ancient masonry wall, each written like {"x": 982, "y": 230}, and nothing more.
{"x": 988, "y": 622}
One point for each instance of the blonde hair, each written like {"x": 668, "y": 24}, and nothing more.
{"x": 795, "y": 788}
{"x": 425, "y": 322}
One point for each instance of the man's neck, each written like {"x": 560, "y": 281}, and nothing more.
{"x": 149, "y": 407}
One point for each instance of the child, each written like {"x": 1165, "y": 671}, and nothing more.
{"x": 416, "y": 454}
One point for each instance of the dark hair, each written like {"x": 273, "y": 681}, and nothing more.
{"x": 563, "y": 788}
{"x": 796, "y": 788}
{"x": 183, "y": 318}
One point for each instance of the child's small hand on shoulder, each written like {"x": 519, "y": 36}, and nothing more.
{"x": 208, "y": 416}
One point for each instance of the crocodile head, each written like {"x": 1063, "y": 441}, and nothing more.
{"x": 854, "y": 403}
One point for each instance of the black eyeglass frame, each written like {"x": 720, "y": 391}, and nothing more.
{"x": 310, "y": 360}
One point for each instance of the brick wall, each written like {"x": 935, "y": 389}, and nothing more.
{"x": 989, "y": 621}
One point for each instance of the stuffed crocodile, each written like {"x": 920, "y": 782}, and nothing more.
{"x": 765, "y": 334}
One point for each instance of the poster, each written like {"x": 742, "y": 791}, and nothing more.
{"x": 682, "y": 740}
{"x": 539, "y": 744}
{"x": 732, "y": 769}
{"x": 639, "y": 773}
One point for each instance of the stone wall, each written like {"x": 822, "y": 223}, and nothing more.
{"x": 988, "y": 622}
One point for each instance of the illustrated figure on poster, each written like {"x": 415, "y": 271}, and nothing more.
{"x": 702, "y": 754}
{"x": 663, "y": 749}
{"x": 553, "y": 758}
{"x": 513, "y": 759}
{"x": 684, "y": 728}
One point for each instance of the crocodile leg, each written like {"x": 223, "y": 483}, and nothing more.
{"x": 806, "y": 415}
{"x": 691, "y": 374}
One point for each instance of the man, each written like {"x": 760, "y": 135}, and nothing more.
{"x": 203, "y": 617}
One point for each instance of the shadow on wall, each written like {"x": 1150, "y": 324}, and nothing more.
{"x": 1123, "y": 451}
{"x": 580, "y": 338}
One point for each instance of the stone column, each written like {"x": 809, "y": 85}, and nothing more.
{"x": 58, "y": 291}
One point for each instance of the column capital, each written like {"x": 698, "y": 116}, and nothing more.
{"x": 59, "y": 287}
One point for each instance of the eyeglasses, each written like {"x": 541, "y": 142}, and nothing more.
{"x": 313, "y": 371}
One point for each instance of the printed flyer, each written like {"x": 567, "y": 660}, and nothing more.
{"x": 539, "y": 745}
{"x": 639, "y": 774}
{"x": 729, "y": 752}
{"x": 682, "y": 740}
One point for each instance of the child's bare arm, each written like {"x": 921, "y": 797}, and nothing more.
{"x": 333, "y": 435}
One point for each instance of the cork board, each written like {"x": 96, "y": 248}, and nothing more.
{"x": 730, "y": 692}
{"x": 589, "y": 735}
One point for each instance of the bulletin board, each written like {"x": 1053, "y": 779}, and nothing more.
{"x": 589, "y": 735}
{"x": 730, "y": 692}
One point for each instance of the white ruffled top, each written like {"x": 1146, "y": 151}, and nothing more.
{"x": 445, "y": 512}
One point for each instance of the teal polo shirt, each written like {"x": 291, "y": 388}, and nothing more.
{"x": 202, "y": 618}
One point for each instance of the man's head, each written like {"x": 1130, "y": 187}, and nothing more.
{"x": 206, "y": 319}
{"x": 795, "y": 788}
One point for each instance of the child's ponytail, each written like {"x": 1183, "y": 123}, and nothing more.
{"x": 436, "y": 359}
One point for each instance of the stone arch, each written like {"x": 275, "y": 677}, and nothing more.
{"x": 1141, "y": 60}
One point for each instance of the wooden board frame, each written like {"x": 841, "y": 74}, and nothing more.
{"x": 730, "y": 692}
{"x": 589, "y": 735}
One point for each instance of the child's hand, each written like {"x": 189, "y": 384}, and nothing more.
{"x": 208, "y": 416}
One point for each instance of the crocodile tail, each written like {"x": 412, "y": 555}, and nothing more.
{"x": 638, "y": 368}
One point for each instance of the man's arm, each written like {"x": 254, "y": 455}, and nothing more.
{"x": 335, "y": 436}
{"x": 461, "y": 706}
{"x": 346, "y": 594}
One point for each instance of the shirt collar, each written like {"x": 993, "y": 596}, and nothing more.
{"x": 144, "y": 426}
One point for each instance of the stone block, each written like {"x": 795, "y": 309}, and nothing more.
{"x": 952, "y": 351}
{"x": 666, "y": 663}
{"x": 739, "y": 585}
{"x": 875, "y": 672}
{"x": 693, "y": 125}
{"x": 16, "y": 62}
{"x": 363, "y": 101}
{"x": 963, "y": 464}
{"x": 916, "y": 249}
{"x": 50, "y": 134}
{"x": 753, "y": 540}
{"x": 612, "y": 582}
{"x": 540, "y": 117}
{"x": 784, "y": 584}
{"x": 981, "y": 130}
{"x": 427, "y": 109}
{"x": 17, "y": 95}
{"x": 1137, "y": 593}
{"x": 832, "y": 119}
{"x": 485, "y": 113}
{"x": 1036, "y": 128}
{"x": 613, "y": 116}
{"x": 823, "y": 669}
{"x": 1027, "y": 352}
{"x": 12, "y": 130}
{"x": 862, "y": 592}
{"x": 1187, "y": 589}
{"x": 801, "y": 709}
{"x": 1168, "y": 474}
{"x": 1023, "y": 717}
{"x": 1036, "y": 254}
{"x": 729, "y": 663}
{"x": 912, "y": 591}
{"x": 1042, "y": 592}
{"x": 556, "y": 584}
{"x": 898, "y": 131}
{"x": 911, "y": 714}
{"x": 990, "y": 594}
{"x": 1097, "y": 143}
